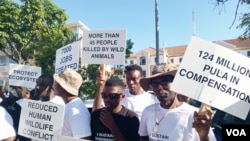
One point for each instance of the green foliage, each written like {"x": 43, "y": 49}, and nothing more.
{"x": 89, "y": 86}
{"x": 245, "y": 23}
{"x": 33, "y": 30}
{"x": 244, "y": 18}
{"x": 88, "y": 90}
{"x": 129, "y": 47}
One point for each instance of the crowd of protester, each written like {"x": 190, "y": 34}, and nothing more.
{"x": 122, "y": 111}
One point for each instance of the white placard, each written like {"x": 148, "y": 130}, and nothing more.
{"x": 215, "y": 75}
{"x": 41, "y": 120}
{"x": 66, "y": 138}
{"x": 4, "y": 73}
{"x": 104, "y": 47}
{"x": 23, "y": 75}
{"x": 68, "y": 57}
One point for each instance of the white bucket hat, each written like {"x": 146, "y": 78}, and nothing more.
{"x": 69, "y": 80}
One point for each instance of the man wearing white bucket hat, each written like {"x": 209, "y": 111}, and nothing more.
{"x": 77, "y": 117}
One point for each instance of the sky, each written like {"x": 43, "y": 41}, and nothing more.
{"x": 137, "y": 17}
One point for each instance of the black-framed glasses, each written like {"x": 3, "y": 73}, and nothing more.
{"x": 111, "y": 95}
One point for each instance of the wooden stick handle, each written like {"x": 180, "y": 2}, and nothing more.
{"x": 203, "y": 108}
{"x": 102, "y": 69}
{"x": 4, "y": 85}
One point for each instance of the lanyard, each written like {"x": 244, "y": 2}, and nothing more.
{"x": 157, "y": 122}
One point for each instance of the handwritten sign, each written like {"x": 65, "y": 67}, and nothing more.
{"x": 68, "y": 57}
{"x": 23, "y": 75}
{"x": 104, "y": 47}
{"x": 41, "y": 120}
{"x": 215, "y": 75}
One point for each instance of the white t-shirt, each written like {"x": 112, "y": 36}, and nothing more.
{"x": 57, "y": 100}
{"x": 174, "y": 124}
{"x": 6, "y": 125}
{"x": 138, "y": 103}
{"x": 76, "y": 121}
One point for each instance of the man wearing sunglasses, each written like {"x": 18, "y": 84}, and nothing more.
{"x": 114, "y": 121}
{"x": 136, "y": 99}
{"x": 172, "y": 119}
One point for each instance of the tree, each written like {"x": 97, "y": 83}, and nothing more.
{"x": 245, "y": 21}
{"x": 33, "y": 30}
{"x": 245, "y": 18}
{"x": 129, "y": 47}
{"x": 89, "y": 86}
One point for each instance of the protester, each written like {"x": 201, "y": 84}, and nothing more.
{"x": 12, "y": 103}
{"x": 45, "y": 91}
{"x": 114, "y": 121}
{"x": 76, "y": 121}
{"x": 7, "y": 132}
{"x": 102, "y": 77}
{"x": 171, "y": 119}
{"x": 136, "y": 99}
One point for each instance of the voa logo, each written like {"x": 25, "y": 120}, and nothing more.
{"x": 236, "y": 132}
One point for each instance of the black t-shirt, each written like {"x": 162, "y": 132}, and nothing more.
{"x": 126, "y": 120}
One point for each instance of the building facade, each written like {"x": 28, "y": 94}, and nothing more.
{"x": 146, "y": 57}
{"x": 78, "y": 28}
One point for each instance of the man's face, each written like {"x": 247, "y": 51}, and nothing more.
{"x": 112, "y": 96}
{"x": 41, "y": 88}
{"x": 132, "y": 79}
{"x": 161, "y": 87}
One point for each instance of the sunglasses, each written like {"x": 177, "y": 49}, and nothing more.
{"x": 111, "y": 95}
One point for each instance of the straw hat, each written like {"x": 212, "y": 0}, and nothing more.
{"x": 69, "y": 80}
{"x": 159, "y": 70}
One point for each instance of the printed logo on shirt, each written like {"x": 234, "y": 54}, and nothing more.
{"x": 158, "y": 137}
{"x": 104, "y": 137}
